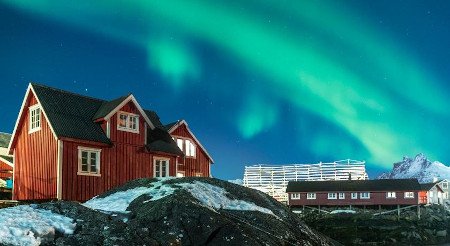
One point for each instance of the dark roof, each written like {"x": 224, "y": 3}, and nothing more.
{"x": 108, "y": 106}
{"x": 73, "y": 116}
{"x": 154, "y": 118}
{"x": 170, "y": 125}
{"x": 160, "y": 140}
{"x": 354, "y": 185}
{"x": 429, "y": 186}
{"x": 5, "y": 138}
{"x": 8, "y": 158}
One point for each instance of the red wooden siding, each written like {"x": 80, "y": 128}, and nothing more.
{"x": 192, "y": 165}
{"x": 118, "y": 165}
{"x": 376, "y": 198}
{"x": 35, "y": 168}
{"x": 5, "y": 170}
{"x": 128, "y": 137}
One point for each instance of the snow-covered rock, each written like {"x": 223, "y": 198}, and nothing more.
{"x": 420, "y": 168}
{"x": 28, "y": 225}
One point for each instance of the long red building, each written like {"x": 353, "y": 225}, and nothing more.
{"x": 72, "y": 147}
{"x": 354, "y": 192}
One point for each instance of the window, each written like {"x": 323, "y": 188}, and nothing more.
{"x": 390, "y": 194}
{"x": 409, "y": 194}
{"x": 431, "y": 193}
{"x": 445, "y": 195}
{"x": 180, "y": 174}
{"x": 354, "y": 195}
{"x": 444, "y": 185}
{"x": 128, "y": 122}
{"x": 187, "y": 146}
{"x": 88, "y": 161}
{"x": 332, "y": 195}
{"x": 198, "y": 174}
{"x": 311, "y": 196}
{"x": 161, "y": 168}
{"x": 35, "y": 118}
{"x": 295, "y": 196}
{"x": 341, "y": 195}
{"x": 364, "y": 195}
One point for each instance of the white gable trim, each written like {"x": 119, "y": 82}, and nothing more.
{"x": 179, "y": 123}
{"x": 7, "y": 162}
{"x": 30, "y": 88}
{"x": 123, "y": 103}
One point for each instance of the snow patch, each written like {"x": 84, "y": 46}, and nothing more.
{"x": 119, "y": 201}
{"x": 340, "y": 211}
{"x": 215, "y": 197}
{"x": 26, "y": 225}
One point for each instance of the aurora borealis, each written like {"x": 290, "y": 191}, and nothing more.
{"x": 258, "y": 81}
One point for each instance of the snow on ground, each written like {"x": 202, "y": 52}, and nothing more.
{"x": 26, "y": 225}
{"x": 339, "y": 211}
{"x": 215, "y": 197}
{"x": 209, "y": 195}
{"x": 119, "y": 201}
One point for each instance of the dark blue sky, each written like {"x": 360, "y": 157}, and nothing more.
{"x": 257, "y": 81}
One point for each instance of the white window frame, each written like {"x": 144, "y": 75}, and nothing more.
{"x": 354, "y": 195}
{"x": 341, "y": 195}
{"x": 310, "y": 196}
{"x": 444, "y": 185}
{"x": 332, "y": 195}
{"x": 155, "y": 159}
{"x": 97, "y": 160}
{"x": 409, "y": 194}
{"x": 188, "y": 147}
{"x": 295, "y": 196}
{"x": 431, "y": 193}
{"x": 391, "y": 195}
{"x": 127, "y": 127}
{"x": 32, "y": 109}
{"x": 362, "y": 195}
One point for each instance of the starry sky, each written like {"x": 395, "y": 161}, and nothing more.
{"x": 258, "y": 81}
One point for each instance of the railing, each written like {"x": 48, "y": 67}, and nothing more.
{"x": 273, "y": 179}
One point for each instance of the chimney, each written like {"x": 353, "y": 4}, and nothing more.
{"x": 349, "y": 176}
{"x": 435, "y": 179}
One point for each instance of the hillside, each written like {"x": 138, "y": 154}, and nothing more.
{"x": 183, "y": 211}
{"x": 420, "y": 168}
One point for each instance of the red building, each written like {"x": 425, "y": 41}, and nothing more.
{"x": 6, "y": 161}
{"x": 72, "y": 147}
{"x": 354, "y": 192}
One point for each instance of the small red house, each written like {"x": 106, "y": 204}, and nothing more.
{"x": 6, "y": 161}
{"x": 72, "y": 147}
{"x": 354, "y": 192}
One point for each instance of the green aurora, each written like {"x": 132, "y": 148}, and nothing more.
{"x": 326, "y": 59}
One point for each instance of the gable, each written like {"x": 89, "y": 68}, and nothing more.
{"x": 181, "y": 129}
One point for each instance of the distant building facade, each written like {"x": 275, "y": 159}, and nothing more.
{"x": 273, "y": 179}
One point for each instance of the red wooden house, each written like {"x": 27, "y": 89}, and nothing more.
{"x": 354, "y": 192}
{"x": 196, "y": 160}
{"x": 6, "y": 161}
{"x": 72, "y": 147}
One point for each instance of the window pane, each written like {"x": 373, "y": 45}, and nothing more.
{"x": 84, "y": 167}
{"x": 163, "y": 169}
{"x": 84, "y": 157}
{"x": 123, "y": 120}
{"x": 192, "y": 149}
{"x": 180, "y": 143}
{"x": 188, "y": 148}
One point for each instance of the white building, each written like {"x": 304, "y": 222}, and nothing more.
{"x": 273, "y": 179}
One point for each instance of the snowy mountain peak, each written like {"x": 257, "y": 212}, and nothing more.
{"x": 418, "y": 167}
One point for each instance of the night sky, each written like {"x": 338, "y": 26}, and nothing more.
{"x": 258, "y": 81}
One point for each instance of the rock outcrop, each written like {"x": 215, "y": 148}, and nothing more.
{"x": 187, "y": 217}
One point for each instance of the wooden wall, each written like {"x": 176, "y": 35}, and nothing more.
{"x": 35, "y": 169}
{"x": 376, "y": 198}
{"x": 192, "y": 165}
{"x": 126, "y": 160}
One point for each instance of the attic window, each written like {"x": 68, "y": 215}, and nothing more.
{"x": 35, "y": 118}
{"x": 187, "y": 146}
{"x": 128, "y": 122}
